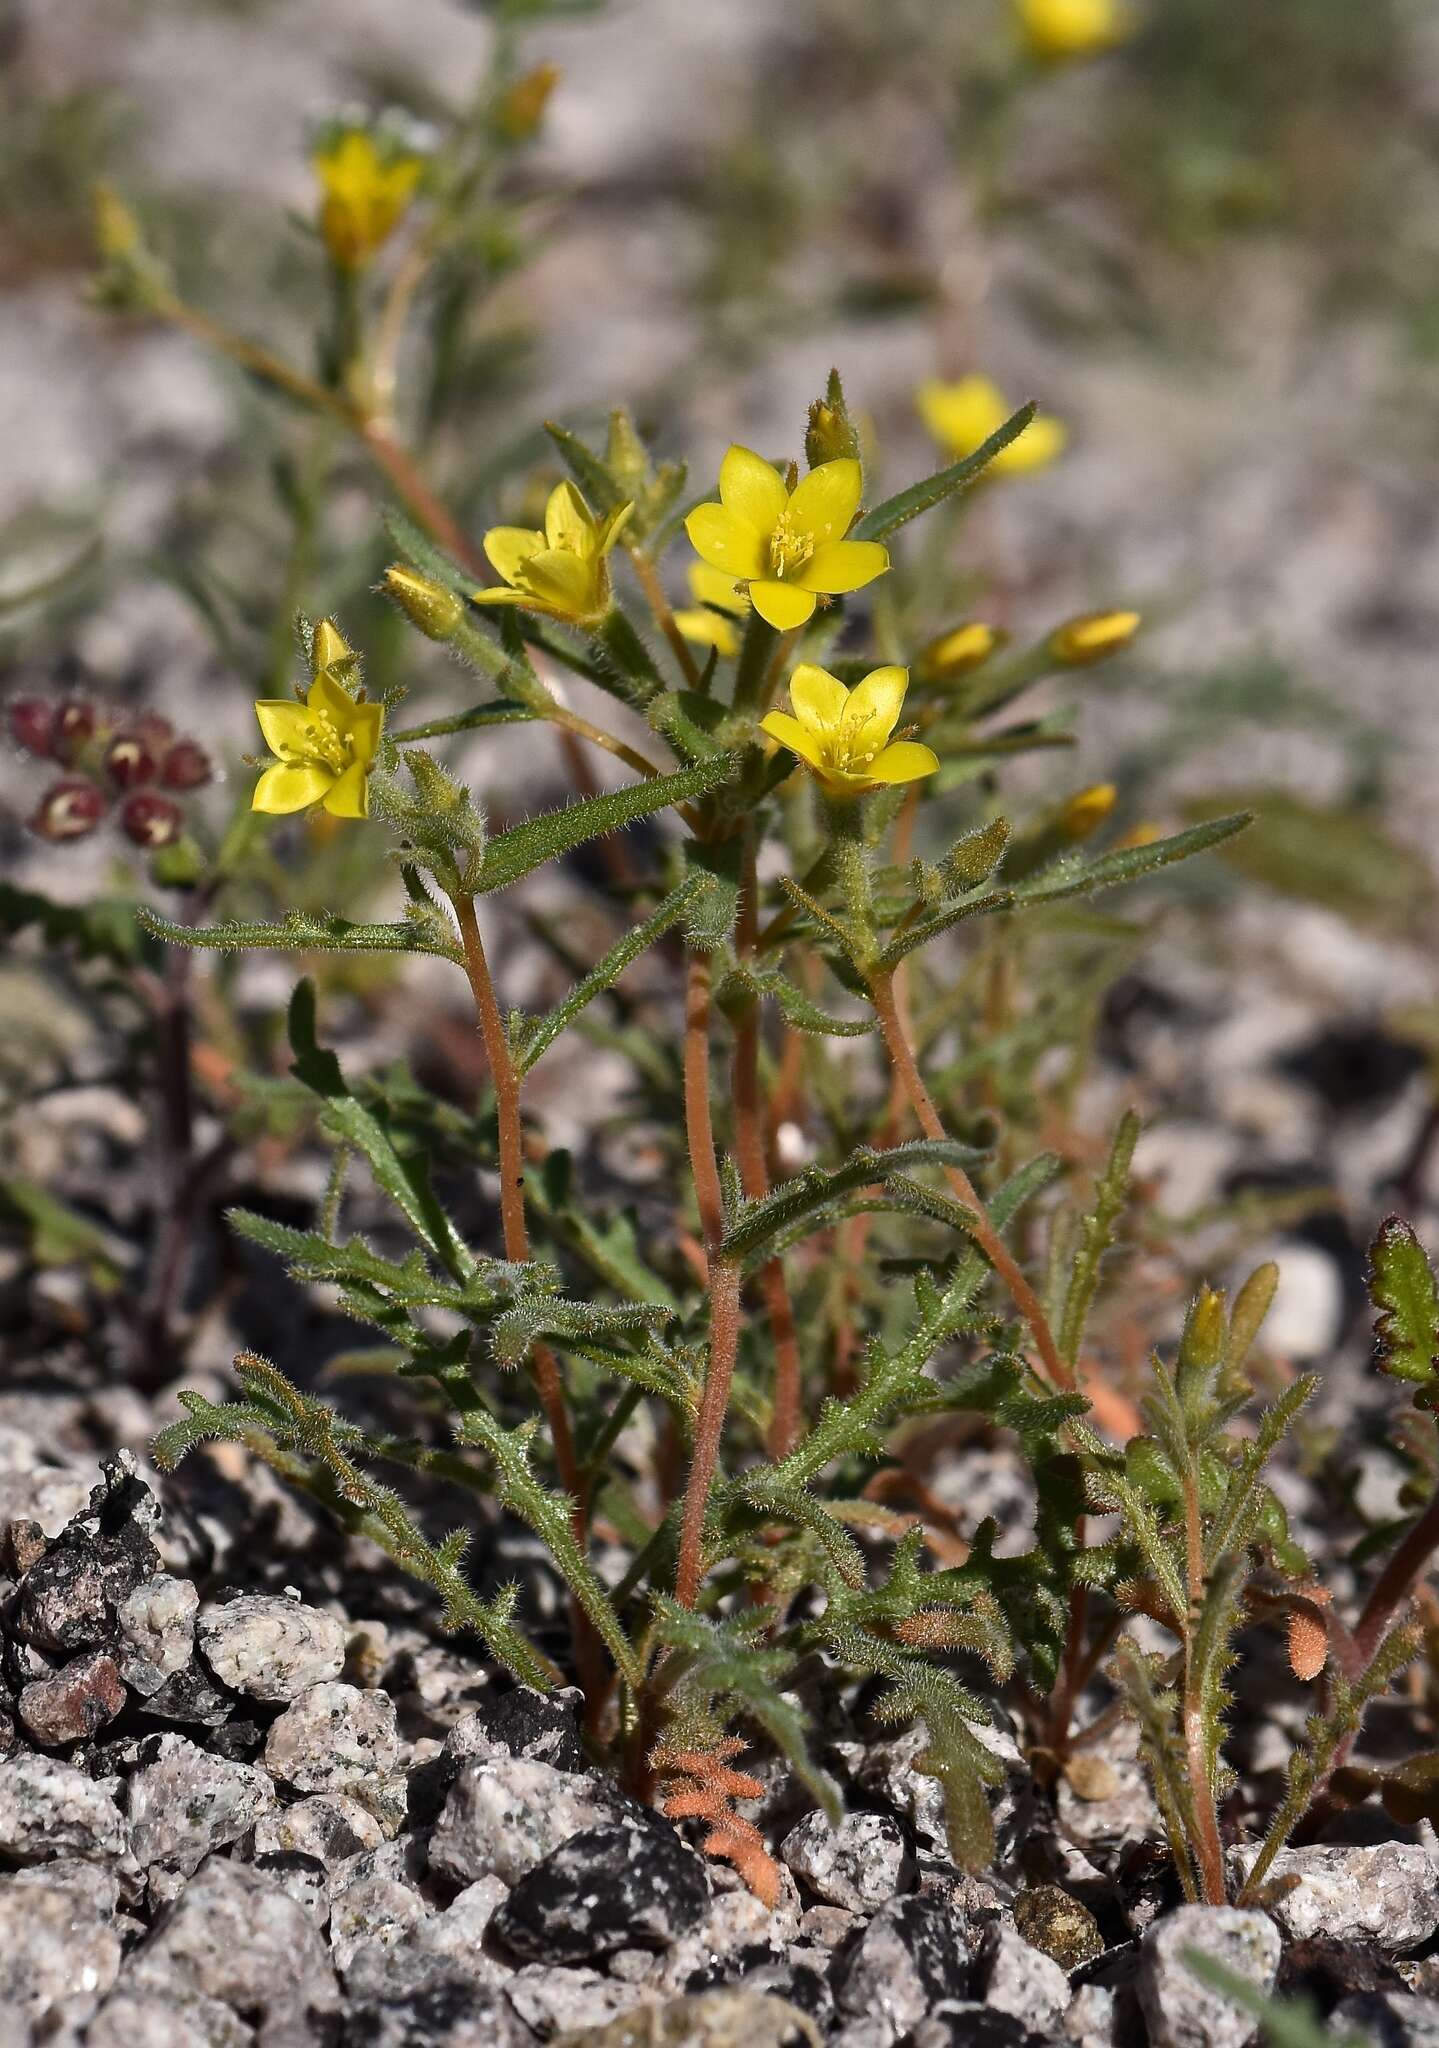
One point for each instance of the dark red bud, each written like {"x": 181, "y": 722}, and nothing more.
{"x": 32, "y": 724}
{"x": 186, "y": 766}
{"x": 68, "y": 810}
{"x": 155, "y": 731}
{"x": 74, "y": 723}
{"x": 151, "y": 821}
{"x": 129, "y": 762}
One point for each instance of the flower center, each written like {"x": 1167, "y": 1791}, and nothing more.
{"x": 325, "y": 743}
{"x": 789, "y": 549}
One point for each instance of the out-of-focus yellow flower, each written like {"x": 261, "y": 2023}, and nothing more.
{"x": 714, "y": 594}
{"x": 1059, "y": 29}
{"x": 366, "y": 191}
{"x": 843, "y": 735}
{"x": 1087, "y": 810}
{"x": 117, "y": 232}
{"x": 523, "y": 107}
{"x": 562, "y": 571}
{"x": 1143, "y": 834}
{"x": 962, "y": 416}
{"x": 325, "y": 748}
{"x": 955, "y": 653}
{"x": 789, "y": 546}
{"x": 1093, "y": 637}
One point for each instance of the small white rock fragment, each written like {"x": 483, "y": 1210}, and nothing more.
{"x": 1180, "y": 2011}
{"x": 334, "y": 1738}
{"x": 1387, "y": 1892}
{"x": 270, "y": 1647}
{"x": 858, "y": 1864}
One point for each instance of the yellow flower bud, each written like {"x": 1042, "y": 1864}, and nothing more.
{"x": 955, "y": 653}
{"x": 1083, "y": 815}
{"x": 330, "y": 647}
{"x": 1143, "y": 834}
{"x": 1060, "y": 29}
{"x": 425, "y": 603}
{"x": 523, "y": 106}
{"x": 1093, "y": 637}
{"x": 366, "y": 189}
{"x": 117, "y": 232}
{"x": 1202, "y": 1345}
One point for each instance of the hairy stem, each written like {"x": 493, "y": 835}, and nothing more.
{"x": 1208, "y": 1850}
{"x": 987, "y": 1238}
{"x": 664, "y": 618}
{"x": 754, "y": 1177}
{"x": 724, "y": 1280}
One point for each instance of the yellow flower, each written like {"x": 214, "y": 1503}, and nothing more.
{"x": 1056, "y": 29}
{"x": 788, "y": 546}
{"x": 561, "y": 571}
{"x": 714, "y": 593}
{"x": 955, "y": 653}
{"x": 365, "y": 193}
{"x": 1093, "y": 637}
{"x": 325, "y": 748}
{"x": 962, "y": 417}
{"x": 1087, "y": 810}
{"x": 844, "y": 735}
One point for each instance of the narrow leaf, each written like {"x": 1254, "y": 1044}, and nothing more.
{"x": 908, "y": 504}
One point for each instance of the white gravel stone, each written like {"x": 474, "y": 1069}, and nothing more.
{"x": 1180, "y": 2011}
{"x": 55, "y": 1950}
{"x": 49, "y": 1808}
{"x": 1021, "y": 1980}
{"x": 1387, "y": 1893}
{"x": 187, "y": 1803}
{"x": 157, "y": 1632}
{"x": 858, "y": 1864}
{"x": 334, "y": 1738}
{"x": 501, "y": 1819}
{"x": 270, "y": 1647}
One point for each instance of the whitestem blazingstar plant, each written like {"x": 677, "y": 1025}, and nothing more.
{"x": 702, "y": 1431}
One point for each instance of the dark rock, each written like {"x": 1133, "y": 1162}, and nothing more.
{"x": 190, "y": 1698}
{"x": 631, "y": 1884}
{"x": 524, "y": 1723}
{"x": 958, "y": 2024}
{"x": 427, "y": 2003}
{"x": 23, "y": 1546}
{"x": 914, "y": 1955}
{"x": 1389, "y": 2019}
{"x": 70, "y": 1595}
{"x": 504, "y": 1818}
{"x": 1324, "y": 1971}
{"x": 1355, "y": 1066}
{"x": 73, "y": 1705}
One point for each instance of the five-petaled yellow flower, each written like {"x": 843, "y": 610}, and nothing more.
{"x": 562, "y": 571}
{"x": 962, "y": 416}
{"x": 718, "y": 602}
{"x": 325, "y": 748}
{"x": 1058, "y": 29}
{"x": 366, "y": 191}
{"x": 844, "y": 735}
{"x": 789, "y": 546}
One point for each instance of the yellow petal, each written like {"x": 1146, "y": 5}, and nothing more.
{"x": 611, "y": 528}
{"x": 818, "y": 697}
{"x": 824, "y": 503}
{"x": 326, "y": 695}
{"x": 873, "y": 708}
{"x": 567, "y": 521}
{"x": 961, "y": 415}
{"x": 903, "y": 761}
{"x": 1035, "y": 448}
{"x": 566, "y": 582}
{"x": 281, "y": 790}
{"x": 349, "y": 794}
{"x": 363, "y": 726}
{"x": 708, "y": 629}
{"x": 501, "y": 593}
{"x": 714, "y": 587}
{"x": 843, "y": 565}
{"x": 782, "y": 605}
{"x": 284, "y": 724}
{"x": 726, "y": 542}
{"x": 790, "y": 733}
{"x": 752, "y": 489}
{"x": 509, "y": 546}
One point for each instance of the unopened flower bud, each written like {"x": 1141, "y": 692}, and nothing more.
{"x": 68, "y": 810}
{"x": 74, "y": 724}
{"x": 1202, "y": 1345}
{"x": 955, "y": 653}
{"x": 330, "y": 648}
{"x": 523, "y": 106}
{"x": 425, "y": 603}
{"x": 1093, "y": 638}
{"x": 1143, "y": 834}
{"x": 32, "y": 724}
{"x": 150, "y": 820}
{"x": 831, "y": 433}
{"x": 117, "y": 232}
{"x": 186, "y": 766}
{"x": 1086, "y": 812}
{"x": 129, "y": 762}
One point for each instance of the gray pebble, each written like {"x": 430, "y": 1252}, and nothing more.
{"x": 1179, "y": 2010}
{"x": 48, "y": 1808}
{"x": 334, "y": 1738}
{"x": 1390, "y": 2019}
{"x": 157, "y": 1632}
{"x": 1387, "y": 1893}
{"x": 503, "y": 1818}
{"x": 858, "y": 1865}
{"x": 270, "y": 1647}
{"x": 55, "y": 1950}
{"x": 185, "y": 1803}
{"x": 236, "y": 1936}
{"x": 152, "y": 2019}
{"x": 331, "y": 1826}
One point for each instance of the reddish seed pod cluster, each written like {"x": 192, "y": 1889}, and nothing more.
{"x": 135, "y": 758}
